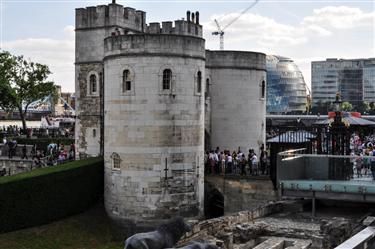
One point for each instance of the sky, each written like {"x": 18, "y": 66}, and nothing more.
{"x": 304, "y": 30}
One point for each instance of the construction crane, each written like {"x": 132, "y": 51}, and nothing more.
{"x": 220, "y": 31}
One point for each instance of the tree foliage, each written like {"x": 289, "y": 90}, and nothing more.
{"x": 22, "y": 82}
{"x": 346, "y": 106}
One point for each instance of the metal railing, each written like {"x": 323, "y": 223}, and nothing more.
{"x": 297, "y": 165}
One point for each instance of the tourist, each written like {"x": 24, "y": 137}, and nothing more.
{"x": 254, "y": 163}
{"x": 229, "y": 163}
{"x": 10, "y": 149}
{"x": 24, "y": 151}
{"x": 212, "y": 161}
{"x": 262, "y": 160}
{"x": 223, "y": 162}
{"x": 372, "y": 154}
{"x": 33, "y": 151}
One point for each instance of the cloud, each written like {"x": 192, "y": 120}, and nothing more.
{"x": 267, "y": 32}
{"x": 57, "y": 54}
{"x": 340, "y": 17}
{"x": 264, "y": 31}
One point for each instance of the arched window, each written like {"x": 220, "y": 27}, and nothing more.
{"x": 93, "y": 84}
{"x": 126, "y": 82}
{"x": 167, "y": 79}
{"x": 116, "y": 161}
{"x": 94, "y": 132}
{"x": 263, "y": 93}
{"x": 199, "y": 82}
{"x": 207, "y": 91}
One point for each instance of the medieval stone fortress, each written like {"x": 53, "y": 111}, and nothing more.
{"x": 148, "y": 95}
{"x": 167, "y": 144}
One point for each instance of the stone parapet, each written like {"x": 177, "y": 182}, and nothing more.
{"x": 226, "y": 59}
{"x": 154, "y": 45}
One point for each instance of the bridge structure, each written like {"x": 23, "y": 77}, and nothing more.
{"x": 329, "y": 177}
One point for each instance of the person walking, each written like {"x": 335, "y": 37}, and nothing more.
{"x": 24, "y": 151}
{"x": 254, "y": 163}
{"x": 372, "y": 154}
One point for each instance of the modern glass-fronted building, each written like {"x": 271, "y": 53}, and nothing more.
{"x": 286, "y": 88}
{"x": 354, "y": 79}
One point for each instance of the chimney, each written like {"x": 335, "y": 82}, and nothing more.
{"x": 188, "y": 16}
{"x": 192, "y": 17}
{"x": 197, "y": 17}
{"x": 113, "y": 1}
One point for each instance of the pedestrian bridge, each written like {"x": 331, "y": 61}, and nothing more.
{"x": 334, "y": 177}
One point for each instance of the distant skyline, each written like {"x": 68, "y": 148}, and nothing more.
{"x": 302, "y": 30}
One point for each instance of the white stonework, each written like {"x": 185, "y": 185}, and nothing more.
{"x": 237, "y": 105}
{"x": 149, "y": 130}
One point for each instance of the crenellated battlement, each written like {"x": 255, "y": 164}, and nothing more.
{"x": 112, "y": 15}
{"x": 190, "y": 26}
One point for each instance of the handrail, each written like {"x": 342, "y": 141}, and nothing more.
{"x": 359, "y": 240}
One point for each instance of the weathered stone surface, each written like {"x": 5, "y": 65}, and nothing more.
{"x": 151, "y": 136}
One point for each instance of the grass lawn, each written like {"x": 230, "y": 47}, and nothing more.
{"x": 89, "y": 230}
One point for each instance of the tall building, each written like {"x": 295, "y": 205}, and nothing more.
{"x": 286, "y": 88}
{"x": 140, "y": 101}
{"x": 354, "y": 79}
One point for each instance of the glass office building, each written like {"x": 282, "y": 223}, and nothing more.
{"x": 286, "y": 88}
{"x": 354, "y": 79}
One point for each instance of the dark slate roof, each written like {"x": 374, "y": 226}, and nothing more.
{"x": 300, "y": 136}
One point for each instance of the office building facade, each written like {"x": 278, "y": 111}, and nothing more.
{"x": 354, "y": 79}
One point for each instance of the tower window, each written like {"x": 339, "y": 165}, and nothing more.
{"x": 116, "y": 161}
{"x": 199, "y": 82}
{"x": 94, "y": 132}
{"x": 93, "y": 84}
{"x": 126, "y": 82}
{"x": 263, "y": 86}
{"x": 167, "y": 78}
{"x": 207, "y": 91}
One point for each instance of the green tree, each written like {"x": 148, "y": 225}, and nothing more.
{"x": 363, "y": 107}
{"x": 21, "y": 83}
{"x": 346, "y": 106}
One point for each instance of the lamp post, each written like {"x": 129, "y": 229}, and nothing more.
{"x": 337, "y": 105}
{"x": 336, "y": 127}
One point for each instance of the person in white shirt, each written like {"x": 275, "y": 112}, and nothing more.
{"x": 254, "y": 163}
{"x": 229, "y": 163}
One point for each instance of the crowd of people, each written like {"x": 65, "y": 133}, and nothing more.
{"x": 237, "y": 162}
{"x": 13, "y": 130}
{"x": 362, "y": 151}
{"x": 59, "y": 153}
{"x": 52, "y": 155}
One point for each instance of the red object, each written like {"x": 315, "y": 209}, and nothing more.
{"x": 353, "y": 114}
{"x": 356, "y": 114}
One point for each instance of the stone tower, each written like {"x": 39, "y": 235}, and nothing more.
{"x": 146, "y": 94}
{"x": 238, "y": 100}
{"x": 93, "y": 24}
{"x": 142, "y": 87}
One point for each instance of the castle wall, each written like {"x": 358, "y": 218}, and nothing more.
{"x": 88, "y": 111}
{"x": 157, "y": 135}
{"x": 93, "y": 24}
{"x": 237, "y": 107}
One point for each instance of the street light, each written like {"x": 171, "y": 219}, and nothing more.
{"x": 337, "y": 105}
